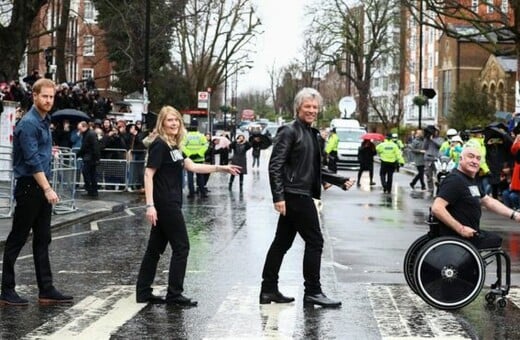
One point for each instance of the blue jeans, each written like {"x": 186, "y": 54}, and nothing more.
{"x": 511, "y": 198}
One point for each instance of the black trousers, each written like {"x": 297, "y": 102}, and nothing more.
{"x": 370, "y": 170}
{"x": 32, "y": 211}
{"x": 170, "y": 228}
{"x": 302, "y": 218}
{"x": 419, "y": 177}
{"x": 90, "y": 177}
{"x": 386, "y": 172}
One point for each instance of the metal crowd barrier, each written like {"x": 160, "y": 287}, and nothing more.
{"x": 118, "y": 170}
{"x": 64, "y": 179}
{"x": 6, "y": 182}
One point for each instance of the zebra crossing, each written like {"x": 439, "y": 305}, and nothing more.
{"x": 396, "y": 311}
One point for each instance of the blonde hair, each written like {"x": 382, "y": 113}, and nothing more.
{"x": 169, "y": 139}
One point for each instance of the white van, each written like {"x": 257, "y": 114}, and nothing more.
{"x": 344, "y": 123}
{"x": 349, "y": 133}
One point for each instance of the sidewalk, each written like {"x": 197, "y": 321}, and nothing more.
{"x": 86, "y": 210}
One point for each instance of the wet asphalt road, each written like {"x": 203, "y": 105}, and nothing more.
{"x": 366, "y": 236}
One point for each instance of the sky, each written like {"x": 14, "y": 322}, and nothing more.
{"x": 283, "y": 23}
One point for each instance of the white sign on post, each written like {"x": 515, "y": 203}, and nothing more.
{"x": 347, "y": 106}
{"x": 203, "y": 100}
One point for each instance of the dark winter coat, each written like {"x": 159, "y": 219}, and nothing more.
{"x": 366, "y": 153}
{"x": 239, "y": 155}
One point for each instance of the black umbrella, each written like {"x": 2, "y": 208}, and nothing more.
{"x": 70, "y": 114}
{"x": 498, "y": 130}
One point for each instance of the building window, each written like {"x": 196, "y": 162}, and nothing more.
{"x": 87, "y": 73}
{"x": 504, "y": 7}
{"x": 90, "y": 12}
{"x": 474, "y": 5}
{"x": 88, "y": 46}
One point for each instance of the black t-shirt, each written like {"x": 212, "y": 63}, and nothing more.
{"x": 167, "y": 181}
{"x": 463, "y": 196}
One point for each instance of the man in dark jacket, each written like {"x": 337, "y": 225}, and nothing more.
{"x": 91, "y": 154}
{"x": 295, "y": 176}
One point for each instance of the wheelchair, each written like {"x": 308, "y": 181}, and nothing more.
{"x": 449, "y": 272}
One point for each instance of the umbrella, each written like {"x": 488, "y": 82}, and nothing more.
{"x": 498, "y": 130}
{"x": 223, "y": 142}
{"x": 373, "y": 136}
{"x": 263, "y": 140}
{"x": 69, "y": 114}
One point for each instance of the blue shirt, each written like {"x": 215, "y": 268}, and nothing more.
{"x": 32, "y": 145}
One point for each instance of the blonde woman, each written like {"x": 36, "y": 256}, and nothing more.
{"x": 163, "y": 190}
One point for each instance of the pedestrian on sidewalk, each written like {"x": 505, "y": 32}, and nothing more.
{"x": 417, "y": 150}
{"x": 295, "y": 176}
{"x": 90, "y": 152}
{"x": 32, "y": 156}
{"x": 163, "y": 190}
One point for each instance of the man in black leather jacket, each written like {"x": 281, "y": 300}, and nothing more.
{"x": 296, "y": 175}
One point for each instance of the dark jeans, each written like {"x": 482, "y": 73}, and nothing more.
{"x": 302, "y": 218}
{"x": 201, "y": 182}
{"x": 32, "y": 211}
{"x": 90, "y": 177}
{"x": 419, "y": 177}
{"x": 256, "y": 160}
{"x": 485, "y": 239}
{"x": 170, "y": 228}
{"x": 386, "y": 172}
{"x": 232, "y": 179}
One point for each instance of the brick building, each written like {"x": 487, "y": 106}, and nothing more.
{"x": 84, "y": 52}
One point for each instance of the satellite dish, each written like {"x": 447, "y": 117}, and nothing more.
{"x": 347, "y": 106}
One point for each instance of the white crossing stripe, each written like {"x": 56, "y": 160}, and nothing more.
{"x": 95, "y": 317}
{"x": 251, "y": 320}
{"x": 401, "y": 314}
{"x": 514, "y": 296}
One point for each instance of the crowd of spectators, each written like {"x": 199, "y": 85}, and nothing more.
{"x": 83, "y": 96}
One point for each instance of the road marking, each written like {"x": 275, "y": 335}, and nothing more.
{"x": 400, "y": 314}
{"x": 94, "y": 225}
{"x": 251, "y": 320}
{"x": 95, "y": 317}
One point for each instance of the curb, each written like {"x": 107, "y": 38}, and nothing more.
{"x": 87, "y": 216}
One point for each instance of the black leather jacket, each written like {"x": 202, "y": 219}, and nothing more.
{"x": 295, "y": 164}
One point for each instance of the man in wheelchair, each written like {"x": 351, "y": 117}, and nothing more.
{"x": 458, "y": 204}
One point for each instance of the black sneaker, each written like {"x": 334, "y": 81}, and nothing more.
{"x": 54, "y": 296}
{"x": 11, "y": 298}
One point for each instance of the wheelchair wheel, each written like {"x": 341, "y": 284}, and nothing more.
{"x": 409, "y": 260}
{"x": 449, "y": 273}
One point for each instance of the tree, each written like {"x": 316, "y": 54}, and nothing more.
{"x": 124, "y": 25}
{"x": 354, "y": 38}
{"x": 213, "y": 41}
{"x": 488, "y": 23}
{"x": 470, "y": 108}
{"x": 16, "y": 18}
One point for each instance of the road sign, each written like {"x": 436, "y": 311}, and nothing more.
{"x": 203, "y": 100}
{"x": 347, "y": 106}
